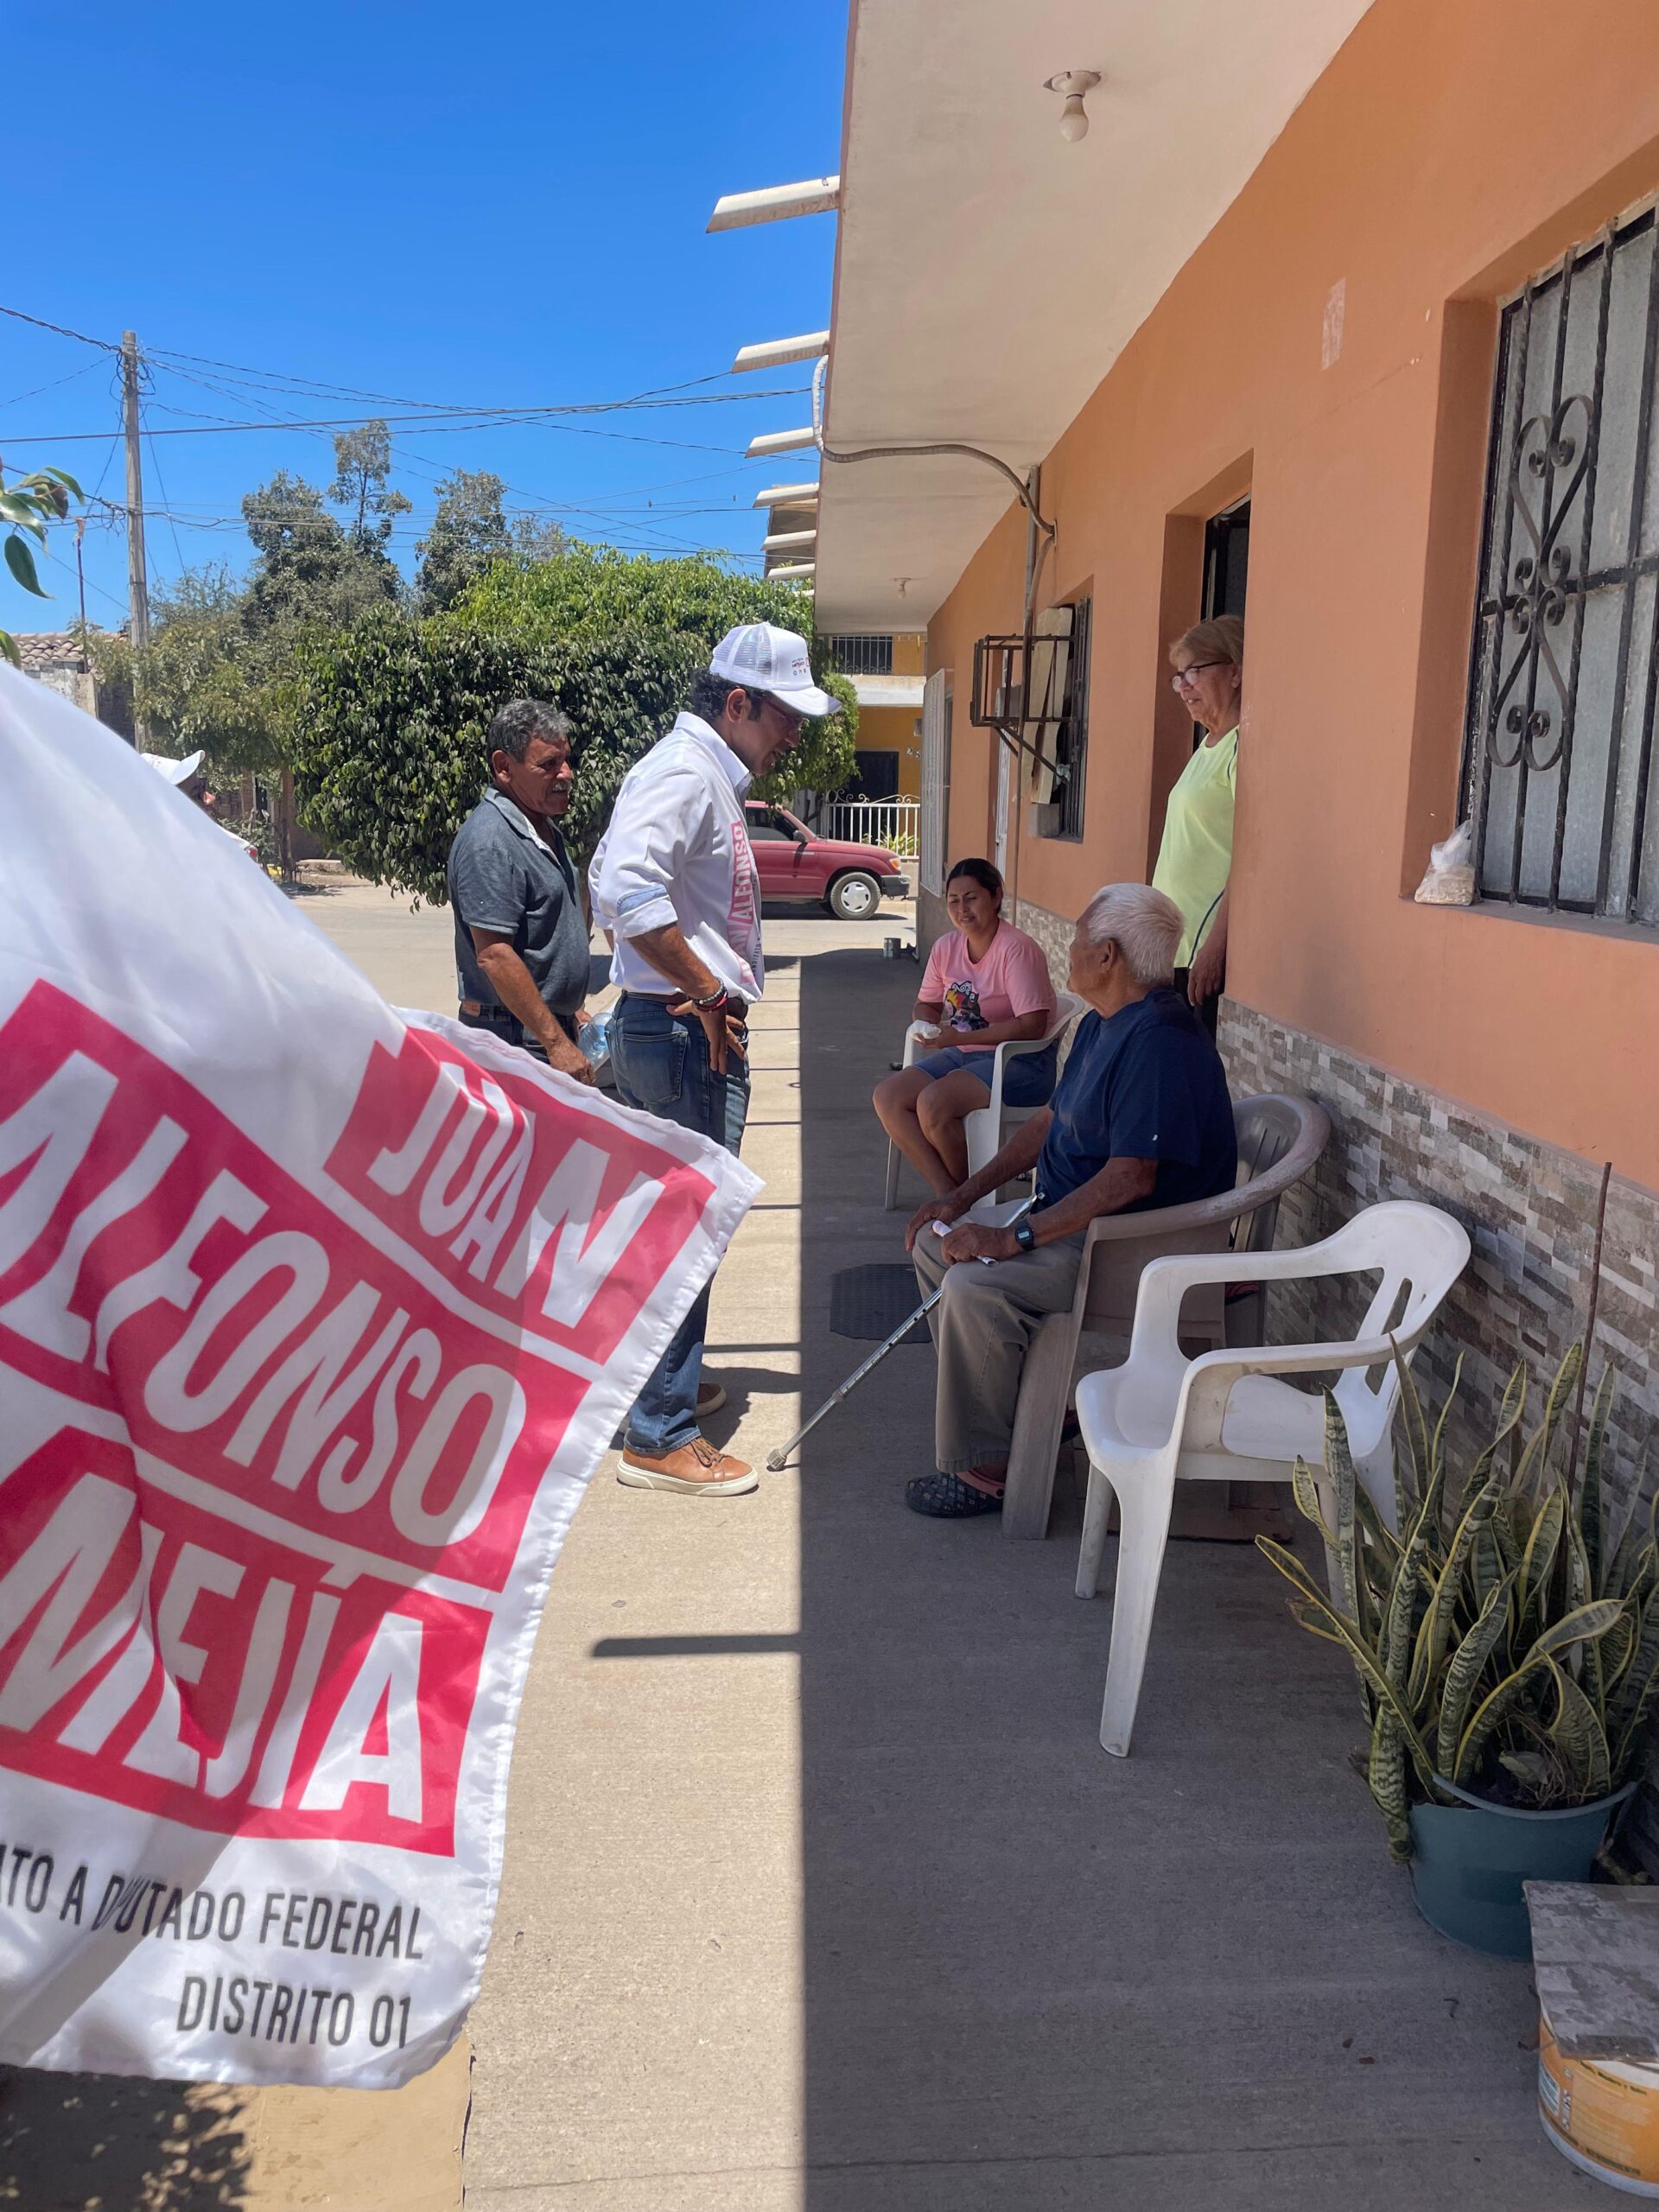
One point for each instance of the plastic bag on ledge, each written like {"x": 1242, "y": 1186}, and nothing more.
{"x": 1450, "y": 878}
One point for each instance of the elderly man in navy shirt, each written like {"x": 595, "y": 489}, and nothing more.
{"x": 1140, "y": 1118}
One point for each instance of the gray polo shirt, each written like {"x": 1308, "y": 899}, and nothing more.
{"x": 503, "y": 876}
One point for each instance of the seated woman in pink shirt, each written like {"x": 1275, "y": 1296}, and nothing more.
{"x": 986, "y": 984}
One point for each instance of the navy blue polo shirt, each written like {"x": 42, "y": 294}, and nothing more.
{"x": 1147, "y": 1084}
{"x": 504, "y": 877}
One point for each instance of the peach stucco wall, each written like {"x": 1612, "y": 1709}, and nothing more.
{"x": 1448, "y": 150}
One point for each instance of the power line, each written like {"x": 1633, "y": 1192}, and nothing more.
{"x": 652, "y": 540}
{"x": 120, "y": 605}
{"x": 35, "y": 391}
{"x": 437, "y": 423}
{"x": 277, "y": 380}
{"x": 58, "y": 330}
{"x": 154, "y": 461}
{"x": 625, "y": 526}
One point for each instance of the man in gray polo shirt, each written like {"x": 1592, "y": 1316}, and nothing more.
{"x": 521, "y": 936}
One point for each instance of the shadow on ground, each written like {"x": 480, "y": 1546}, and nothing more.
{"x": 1039, "y": 1978}
{"x": 72, "y": 2141}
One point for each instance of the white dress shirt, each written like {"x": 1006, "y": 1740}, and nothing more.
{"x": 677, "y": 851}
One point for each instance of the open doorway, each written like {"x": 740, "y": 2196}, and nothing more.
{"x": 1226, "y": 567}
{"x": 1226, "y": 560}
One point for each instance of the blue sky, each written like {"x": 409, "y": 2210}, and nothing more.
{"x": 501, "y": 205}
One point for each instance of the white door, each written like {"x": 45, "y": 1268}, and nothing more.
{"x": 936, "y": 781}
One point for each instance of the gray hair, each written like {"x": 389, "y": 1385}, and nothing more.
{"x": 512, "y": 726}
{"x": 1143, "y": 924}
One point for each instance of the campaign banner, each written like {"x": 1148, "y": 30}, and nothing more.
{"x": 316, "y": 1318}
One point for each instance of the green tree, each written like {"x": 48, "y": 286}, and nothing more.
{"x": 362, "y": 487}
{"x": 306, "y": 567}
{"x": 389, "y": 715}
{"x": 207, "y": 680}
{"x": 29, "y": 505}
{"x": 536, "y": 537}
{"x": 470, "y": 530}
{"x": 591, "y": 591}
{"x": 389, "y": 743}
{"x": 593, "y": 588}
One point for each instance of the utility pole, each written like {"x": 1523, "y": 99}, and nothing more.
{"x": 137, "y": 573}
{"x": 80, "y": 588}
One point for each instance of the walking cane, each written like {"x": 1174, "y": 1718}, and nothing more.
{"x": 775, "y": 1460}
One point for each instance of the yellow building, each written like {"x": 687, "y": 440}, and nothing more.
{"x": 887, "y": 672}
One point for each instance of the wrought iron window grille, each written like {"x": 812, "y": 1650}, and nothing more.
{"x": 1565, "y": 659}
{"x": 863, "y": 654}
{"x": 1045, "y": 723}
{"x": 1071, "y": 743}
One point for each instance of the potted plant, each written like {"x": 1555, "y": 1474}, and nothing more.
{"x": 1506, "y": 1646}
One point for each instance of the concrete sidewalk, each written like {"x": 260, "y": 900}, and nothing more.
{"x": 820, "y": 1895}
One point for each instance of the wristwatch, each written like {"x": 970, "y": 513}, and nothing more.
{"x": 1024, "y": 1236}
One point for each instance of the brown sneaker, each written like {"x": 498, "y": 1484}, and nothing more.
{"x": 710, "y": 1398}
{"x": 695, "y": 1468}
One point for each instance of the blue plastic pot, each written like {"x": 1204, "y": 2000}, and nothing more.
{"x": 1469, "y": 1861}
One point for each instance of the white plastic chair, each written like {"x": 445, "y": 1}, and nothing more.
{"x": 986, "y": 1128}
{"x": 1161, "y": 1418}
{"x": 1280, "y": 1138}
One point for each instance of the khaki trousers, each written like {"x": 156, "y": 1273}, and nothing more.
{"x": 982, "y": 1329}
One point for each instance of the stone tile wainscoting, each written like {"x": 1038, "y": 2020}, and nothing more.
{"x": 1529, "y": 1209}
{"x": 1053, "y": 931}
{"x": 1530, "y": 1212}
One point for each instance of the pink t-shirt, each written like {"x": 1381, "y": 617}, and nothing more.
{"x": 1011, "y": 980}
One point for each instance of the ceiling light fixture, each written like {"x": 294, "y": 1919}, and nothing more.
{"x": 1071, "y": 84}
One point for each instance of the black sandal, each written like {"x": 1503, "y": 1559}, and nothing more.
{"x": 947, "y": 1498}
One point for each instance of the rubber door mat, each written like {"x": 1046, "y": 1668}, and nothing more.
{"x": 870, "y": 1302}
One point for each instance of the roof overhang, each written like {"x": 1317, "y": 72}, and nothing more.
{"x": 988, "y": 272}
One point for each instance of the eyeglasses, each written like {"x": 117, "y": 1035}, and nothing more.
{"x": 1182, "y": 676}
{"x": 785, "y": 714}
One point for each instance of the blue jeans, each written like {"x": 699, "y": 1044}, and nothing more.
{"x": 660, "y": 1061}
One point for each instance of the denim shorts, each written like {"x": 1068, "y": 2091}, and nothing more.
{"x": 1029, "y": 1079}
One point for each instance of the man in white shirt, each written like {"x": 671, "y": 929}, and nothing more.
{"x": 674, "y": 883}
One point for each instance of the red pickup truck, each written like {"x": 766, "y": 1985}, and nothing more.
{"x": 793, "y": 862}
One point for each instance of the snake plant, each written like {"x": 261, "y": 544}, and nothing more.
{"x": 1507, "y": 1639}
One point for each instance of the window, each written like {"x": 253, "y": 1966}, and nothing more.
{"x": 862, "y": 655}
{"x": 1226, "y": 561}
{"x": 1071, "y": 737}
{"x": 766, "y": 828}
{"x": 1559, "y": 735}
{"x": 1226, "y": 573}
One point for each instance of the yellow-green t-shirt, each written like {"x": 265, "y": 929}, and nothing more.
{"x": 1197, "y": 852}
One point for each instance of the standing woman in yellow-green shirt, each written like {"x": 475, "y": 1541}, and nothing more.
{"x": 1196, "y": 856}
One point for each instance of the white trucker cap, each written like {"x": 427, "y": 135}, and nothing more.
{"x": 762, "y": 657}
{"x": 173, "y": 772}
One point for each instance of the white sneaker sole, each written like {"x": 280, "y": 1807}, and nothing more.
{"x": 634, "y": 1477}
{"x": 708, "y": 1403}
